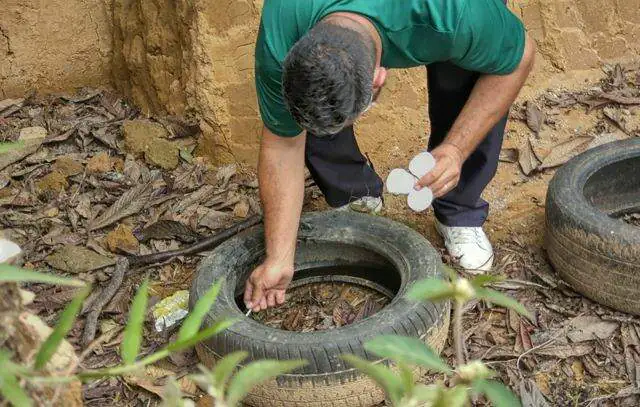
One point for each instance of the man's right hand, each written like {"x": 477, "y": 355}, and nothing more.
{"x": 266, "y": 286}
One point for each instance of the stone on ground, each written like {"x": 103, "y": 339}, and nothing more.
{"x": 121, "y": 239}
{"x": 162, "y": 153}
{"x": 68, "y": 165}
{"x": 140, "y": 134}
{"x": 99, "y": 163}
{"x": 52, "y": 183}
{"x": 77, "y": 259}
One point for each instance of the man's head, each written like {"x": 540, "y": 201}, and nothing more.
{"x": 330, "y": 76}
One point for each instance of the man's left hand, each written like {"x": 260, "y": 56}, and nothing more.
{"x": 446, "y": 174}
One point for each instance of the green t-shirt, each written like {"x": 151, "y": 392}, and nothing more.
{"x": 478, "y": 35}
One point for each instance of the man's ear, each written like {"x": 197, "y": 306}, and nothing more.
{"x": 379, "y": 76}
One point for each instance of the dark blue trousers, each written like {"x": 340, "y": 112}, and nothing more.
{"x": 344, "y": 174}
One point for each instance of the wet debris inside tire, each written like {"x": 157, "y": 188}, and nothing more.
{"x": 322, "y": 306}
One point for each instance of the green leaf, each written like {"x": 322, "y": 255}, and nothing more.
{"x": 406, "y": 375}
{"x": 502, "y": 300}
{"x": 11, "y": 274}
{"x": 6, "y": 147}
{"x": 497, "y": 393}
{"x": 450, "y": 272}
{"x": 9, "y": 386}
{"x": 425, "y": 394}
{"x": 202, "y": 335}
{"x": 132, "y": 338}
{"x": 224, "y": 368}
{"x": 454, "y": 397}
{"x": 11, "y": 390}
{"x": 382, "y": 375}
{"x": 432, "y": 289}
{"x": 62, "y": 328}
{"x": 484, "y": 279}
{"x": 185, "y": 154}
{"x": 256, "y": 373}
{"x": 407, "y": 350}
{"x": 192, "y": 323}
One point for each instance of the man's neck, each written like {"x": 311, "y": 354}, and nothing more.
{"x": 361, "y": 24}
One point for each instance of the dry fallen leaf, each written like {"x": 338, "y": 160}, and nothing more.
{"x": 565, "y": 351}
{"x": 31, "y": 138}
{"x": 225, "y": 173}
{"x": 167, "y": 229}
{"x": 241, "y": 210}
{"x": 196, "y": 197}
{"x": 77, "y": 259}
{"x": 154, "y": 378}
{"x": 616, "y": 117}
{"x": 617, "y": 77}
{"x": 509, "y": 155}
{"x": 84, "y": 206}
{"x": 343, "y": 313}
{"x": 587, "y": 328}
{"x": 212, "y": 219}
{"x": 531, "y": 396}
{"x": 527, "y": 159}
{"x": 535, "y": 117}
{"x": 129, "y": 203}
{"x": 294, "y": 320}
{"x": 563, "y": 152}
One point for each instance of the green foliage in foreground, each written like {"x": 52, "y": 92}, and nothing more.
{"x": 229, "y": 382}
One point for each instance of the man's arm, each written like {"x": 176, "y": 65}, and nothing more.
{"x": 281, "y": 178}
{"x": 489, "y": 101}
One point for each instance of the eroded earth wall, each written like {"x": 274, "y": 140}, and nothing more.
{"x": 170, "y": 56}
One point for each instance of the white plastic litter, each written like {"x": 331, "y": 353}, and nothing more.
{"x": 420, "y": 200}
{"x": 422, "y": 164}
{"x": 171, "y": 310}
{"x": 8, "y": 251}
{"x": 400, "y": 182}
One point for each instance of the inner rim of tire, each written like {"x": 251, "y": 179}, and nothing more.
{"x": 316, "y": 261}
{"x": 615, "y": 188}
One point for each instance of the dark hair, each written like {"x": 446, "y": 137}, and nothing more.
{"x": 328, "y": 77}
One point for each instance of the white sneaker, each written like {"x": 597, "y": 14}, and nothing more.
{"x": 469, "y": 245}
{"x": 366, "y": 204}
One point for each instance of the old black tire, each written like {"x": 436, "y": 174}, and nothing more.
{"x": 597, "y": 254}
{"x": 325, "y": 239}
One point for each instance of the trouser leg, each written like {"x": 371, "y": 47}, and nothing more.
{"x": 449, "y": 90}
{"x": 339, "y": 169}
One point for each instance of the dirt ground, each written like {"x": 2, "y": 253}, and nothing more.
{"x": 103, "y": 181}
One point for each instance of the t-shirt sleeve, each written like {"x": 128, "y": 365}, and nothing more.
{"x": 274, "y": 113}
{"x": 489, "y": 38}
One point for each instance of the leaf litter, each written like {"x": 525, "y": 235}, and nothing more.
{"x": 322, "y": 306}
{"x": 614, "y": 103}
{"x": 75, "y": 198}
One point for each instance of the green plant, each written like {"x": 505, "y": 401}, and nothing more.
{"x": 5, "y": 147}
{"x": 465, "y": 380}
{"x": 227, "y": 390}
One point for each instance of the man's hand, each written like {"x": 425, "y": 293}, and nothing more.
{"x": 266, "y": 286}
{"x": 446, "y": 174}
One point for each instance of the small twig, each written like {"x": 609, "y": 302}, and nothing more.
{"x": 205, "y": 244}
{"x": 91, "y": 321}
{"x": 535, "y": 348}
{"x": 458, "y": 339}
{"x": 624, "y": 392}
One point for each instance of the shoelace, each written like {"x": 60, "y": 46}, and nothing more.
{"x": 465, "y": 235}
